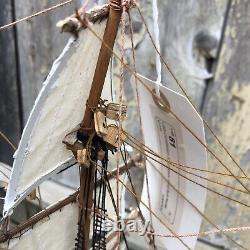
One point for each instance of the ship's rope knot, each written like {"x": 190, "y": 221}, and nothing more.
{"x": 122, "y": 5}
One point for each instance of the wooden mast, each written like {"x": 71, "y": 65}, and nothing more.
{"x": 87, "y": 174}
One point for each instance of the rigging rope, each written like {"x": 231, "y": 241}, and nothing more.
{"x": 121, "y": 83}
{"x": 8, "y": 140}
{"x": 216, "y": 231}
{"x": 175, "y": 116}
{"x": 153, "y": 213}
{"x": 104, "y": 177}
{"x": 194, "y": 206}
{"x": 164, "y": 224}
{"x": 207, "y": 219}
{"x": 177, "y": 165}
{"x": 166, "y": 64}
{"x": 26, "y": 19}
{"x": 139, "y": 112}
{"x": 158, "y": 52}
{"x": 36, "y": 14}
{"x": 193, "y": 181}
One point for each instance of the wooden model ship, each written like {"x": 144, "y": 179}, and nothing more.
{"x": 75, "y": 124}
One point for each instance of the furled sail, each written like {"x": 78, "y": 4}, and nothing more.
{"x": 173, "y": 197}
{"x": 58, "y": 231}
{"x": 58, "y": 110}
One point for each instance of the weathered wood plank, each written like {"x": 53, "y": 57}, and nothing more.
{"x": 39, "y": 43}
{"x": 189, "y": 36}
{"x": 227, "y": 107}
{"x": 10, "y": 123}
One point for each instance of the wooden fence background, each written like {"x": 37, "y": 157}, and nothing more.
{"x": 207, "y": 44}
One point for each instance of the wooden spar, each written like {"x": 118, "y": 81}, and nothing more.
{"x": 59, "y": 205}
{"x": 87, "y": 174}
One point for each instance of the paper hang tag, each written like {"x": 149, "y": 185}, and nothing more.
{"x": 172, "y": 141}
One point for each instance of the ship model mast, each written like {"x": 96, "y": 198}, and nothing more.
{"x": 87, "y": 175}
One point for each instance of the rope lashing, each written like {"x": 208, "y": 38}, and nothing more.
{"x": 119, "y": 5}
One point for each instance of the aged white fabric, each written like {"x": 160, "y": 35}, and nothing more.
{"x": 56, "y": 232}
{"x": 5, "y": 171}
{"x": 58, "y": 110}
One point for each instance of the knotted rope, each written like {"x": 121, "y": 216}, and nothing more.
{"x": 119, "y": 5}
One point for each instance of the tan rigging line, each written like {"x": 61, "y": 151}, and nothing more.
{"x": 205, "y": 178}
{"x": 120, "y": 98}
{"x": 112, "y": 200}
{"x": 191, "y": 180}
{"x": 69, "y": 1}
{"x": 223, "y": 231}
{"x": 139, "y": 112}
{"x": 209, "y": 150}
{"x": 142, "y": 151}
{"x": 173, "y": 234}
{"x": 166, "y": 64}
{"x": 133, "y": 190}
{"x": 121, "y": 84}
{"x": 185, "y": 166}
{"x": 215, "y": 173}
{"x": 178, "y": 165}
{"x": 8, "y": 140}
{"x": 106, "y": 46}
{"x": 135, "y": 195}
{"x": 195, "y": 207}
{"x": 36, "y": 14}
{"x": 52, "y": 8}
{"x": 218, "y": 230}
{"x": 157, "y": 98}
{"x": 205, "y": 233}
{"x": 153, "y": 213}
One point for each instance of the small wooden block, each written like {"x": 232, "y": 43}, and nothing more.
{"x": 82, "y": 157}
{"x": 112, "y": 136}
{"x": 100, "y": 123}
{"x": 113, "y": 110}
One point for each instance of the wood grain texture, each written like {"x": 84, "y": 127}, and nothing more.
{"x": 39, "y": 44}
{"x": 183, "y": 26}
{"x": 189, "y": 36}
{"x": 227, "y": 107}
{"x": 10, "y": 123}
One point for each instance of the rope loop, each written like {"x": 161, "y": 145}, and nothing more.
{"x": 119, "y": 5}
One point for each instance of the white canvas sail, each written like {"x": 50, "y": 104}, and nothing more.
{"x": 58, "y": 110}
{"x": 58, "y": 231}
{"x": 170, "y": 139}
{"x": 5, "y": 171}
